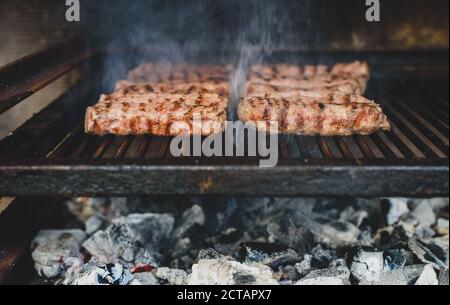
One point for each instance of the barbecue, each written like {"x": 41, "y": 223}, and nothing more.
{"x": 312, "y": 117}
{"x": 158, "y": 114}
{"x": 92, "y": 193}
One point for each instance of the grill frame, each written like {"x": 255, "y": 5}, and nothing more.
{"x": 44, "y": 156}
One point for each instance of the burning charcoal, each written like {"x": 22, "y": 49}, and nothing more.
{"x": 424, "y": 214}
{"x": 396, "y": 236}
{"x": 229, "y": 241}
{"x": 428, "y": 277}
{"x": 442, "y": 226}
{"x": 443, "y": 277}
{"x": 56, "y": 251}
{"x": 181, "y": 247}
{"x": 305, "y": 266}
{"x": 286, "y": 233}
{"x": 118, "y": 244}
{"x": 429, "y": 252}
{"x": 396, "y": 259}
{"x": 172, "y": 276}
{"x": 208, "y": 254}
{"x": 290, "y": 273}
{"x": 191, "y": 217}
{"x": 397, "y": 207}
{"x": 404, "y": 276}
{"x": 94, "y": 273}
{"x": 146, "y": 279}
{"x": 228, "y": 272}
{"x": 150, "y": 229}
{"x": 366, "y": 264}
{"x": 322, "y": 257}
{"x": 94, "y": 223}
{"x": 335, "y": 234}
{"x": 336, "y": 275}
{"x": 272, "y": 255}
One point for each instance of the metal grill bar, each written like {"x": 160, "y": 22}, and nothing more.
{"x": 410, "y": 160}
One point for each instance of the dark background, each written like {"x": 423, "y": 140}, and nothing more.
{"x": 301, "y": 24}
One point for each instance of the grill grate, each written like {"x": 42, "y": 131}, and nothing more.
{"x": 411, "y": 160}
{"x": 419, "y": 132}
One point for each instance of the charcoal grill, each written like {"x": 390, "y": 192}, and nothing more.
{"x": 51, "y": 155}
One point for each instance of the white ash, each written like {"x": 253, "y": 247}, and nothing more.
{"x": 428, "y": 277}
{"x": 367, "y": 265}
{"x": 397, "y": 208}
{"x": 118, "y": 244}
{"x": 152, "y": 230}
{"x": 173, "y": 276}
{"x": 305, "y": 266}
{"x": 404, "y": 276}
{"x": 228, "y": 272}
{"x": 56, "y": 251}
{"x": 271, "y": 255}
{"x": 337, "y": 274}
{"x": 146, "y": 279}
{"x": 206, "y": 240}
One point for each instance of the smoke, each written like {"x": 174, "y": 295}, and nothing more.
{"x": 253, "y": 43}
{"x": 204, "y": 31}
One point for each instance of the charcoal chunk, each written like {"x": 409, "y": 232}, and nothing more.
{"x": 272, "y": 255}
{"x": 118, "y": 244}
{"x": 152, "y": 230}
{"x": 367, "y": 264}
{"x": 95, "y": 273}
{"x": 56, "y": 251}
{"x": 396, "y": 259}
{"x": 404, "y": 276}
{"x": 172, "y": 276}
{"x": 228, "y": 272}
{"x": 336, "y": 275}
{"x": 146, "y": 279}
{"x": 191, "y": 217}
{"x": 305, "y": 266}
{"x": 429, "y": 252}
{"x": 428, "y": 276}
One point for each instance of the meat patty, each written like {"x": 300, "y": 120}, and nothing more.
{"x": 154, "y": 73}
{"x": 158, "y": 114}
{"x": 347, "y": 78}
{"x": 307, "y": 116}
{"x": 220, "y": 88}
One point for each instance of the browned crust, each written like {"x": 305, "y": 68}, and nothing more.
{"x": 348, "y": 78}
{"x": 157, "y": 73}
{"x": 158, "y": 114}
{"x": 301, "y": 116}
{"x": 126, "y": 87}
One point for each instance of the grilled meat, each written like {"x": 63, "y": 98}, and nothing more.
{"x": 308, "y": 116}
{"x": 347, "y": 78}
{"x": 154, "y": 73}
{"x": 158, "y": 114}
{"x": 220, "y": 88}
